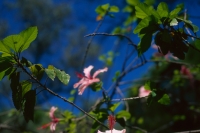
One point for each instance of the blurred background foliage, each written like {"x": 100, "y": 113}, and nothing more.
{"x": 62, "y": 26}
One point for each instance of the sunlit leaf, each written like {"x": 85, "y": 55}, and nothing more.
{"x": 113, "y": 107}
{"x": 142, "y": 10}
{"x": 147, "y": 85}
{"x": 163, "y": 10}
{"x": 174, "y": 12}
{"x": 26, "y": 86}
{"x": 62, "y": 76}
{"x": 143, "y": 23}
{"x": 37, "y": 70}
{"x": 4, "y": 48}
{"x": 14, "y": 42}
{"x": 50, "y": 73}
{"x": 123, "y": 114}
{"x": 164, "y": 100}
{"x": 28, "y": 35}
{"x": 174, "y": 22}
{"x": 114, "y": 9}
{"x": 133, "y": 2}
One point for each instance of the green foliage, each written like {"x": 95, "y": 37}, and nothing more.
{"x": 37, "y": 70}
{"x": 122, "y": 116}
{"x": 30, "y": 99}
{"x": 19, "y": 42}
{"x": 96, "y": 86}
{"x": 164, "y": 100}
{"x": 113, "y": 107}
{"x": 102, "y": 10}
{"x": 50, "y": 72}
{"x": 117, "y": 74}
{"x": 62, "y": 76}
{"x": 29, "y": 35}
{"x": 108, "y": 57}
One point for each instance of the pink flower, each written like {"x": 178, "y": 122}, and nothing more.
{"x": 87, "y": 79}
{"x": 143, "y": 92}
{"x": 185, "y": 71}
{"x": 111, "y": 122}
{"x": 54, "y": 120}
{"x": 113, "y": 131}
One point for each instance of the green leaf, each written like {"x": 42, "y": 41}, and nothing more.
{"x": 164, "y": 100}
{"x": 4, "y": 48}
{"x": 133, "y": 2}
{"x": 16, "y": 90}
{"x": 29, "y": 35}
{"x": 174, "y": 12}
{"x": 30, "y": 99}
{"x": 174, "y": 22}
{"x": 62, "y": 76}
{"x": 7, "y": 72}
{"x": 102, "y": 9}
{"x": 26, "y": 62}
{"x": 147, "y": 85}
{"x": 163, "y": 10}
{"x": 113, "y": 107}
{"x": 193, "y": 27}
{"x": 142, "y": 24}
{"x": 145, "y": 43}
{"x": 153, "y": 93}
{"x": 14, "y": 42}
{"x": 6, "y": 67}
{"x": 142, "y": 10}
{"x": 96, "y": 86}
{"x": 26, "y": 86}
{"x": 50, "y": 73}
{"x": 123, "y": 114}
{"x": 37, "y": 71}
{"x": 114, "y": 9}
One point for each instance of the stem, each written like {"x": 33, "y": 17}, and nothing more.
{"x": 55, "y": 94}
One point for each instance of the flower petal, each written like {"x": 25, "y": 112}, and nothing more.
{"x": 51, "y": 113}
{"x": 99, "y": 71}
{"x": 82, "y": 88}
{"x": 87, "y": 71}
{"x": 79, "y": 83}
{"x": 113, "y": 131}
{"x": 143, "y": 92}
{"x": 53, "y": 126}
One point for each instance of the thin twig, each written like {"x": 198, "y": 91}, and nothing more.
{"x": 119, "y": 35}
{"x": 126, "y": 99}
{"x": 90, "y": 41}
{"x": 57, "y": 95}
{"x": 192, "y": 131}
{"x": 4, "y": 126}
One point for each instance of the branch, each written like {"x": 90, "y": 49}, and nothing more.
{"x": 120, "y": 35}
{"x": 192, "y": 131}
{"x": 90, "y": 41}
{"x": 126, "y": 99}
{"x": 4, "y": 126}
{"x": 55, "y": 94}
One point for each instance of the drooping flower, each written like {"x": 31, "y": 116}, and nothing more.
{"x": 143, "y": 92}
{"x": 87, "y": 79}
{"x": 111, "y": 123}
{"x": 113, "y": 131}
{"x": 54, "y": 120}
{"x": 185, "y": 71}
